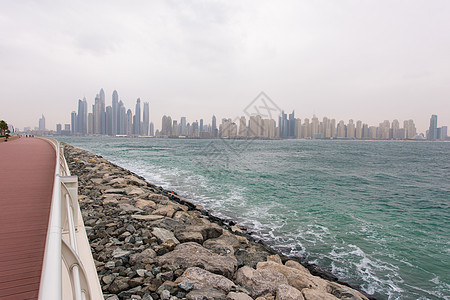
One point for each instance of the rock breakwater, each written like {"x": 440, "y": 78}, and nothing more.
{"x": 149, "y": 243}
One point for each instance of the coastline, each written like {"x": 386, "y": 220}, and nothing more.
{"x": 151, "y": 243}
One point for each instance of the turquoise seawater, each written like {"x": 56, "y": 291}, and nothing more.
{"x": 375, "y": 214}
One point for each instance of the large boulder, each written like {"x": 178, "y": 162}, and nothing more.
{"x": 164, "y": 235}
{"x": 259, "y": 282}
{"x": 287, "y": 292}
{"x": 295, "y": 277}
{"x": 206, "y": 293}
{"x": 192, "y": 254}
{"x": 312, "y": 294}
{"x": 202, "y": 278}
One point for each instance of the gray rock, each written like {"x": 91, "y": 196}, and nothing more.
{"x": 238, "y": 296}
{"x": 140, "y": 257}
{"x": 119, "y": 284}
{"x": 147, "y": 217}
{"x": 107, "y": 279}
{"x": 194, "y": 255}
{"x": 119, "y": 253}
{"x": 190, "y": 236}
{"x": 128, "y": 207}
{"x": 165, "y": 295}
{"x": 206, "y": 294}
{"x": 164, "y": 235}
{"x": 202, "y": 278}
{"x": 110, "y": 265}
{"x": 186, "y": 286}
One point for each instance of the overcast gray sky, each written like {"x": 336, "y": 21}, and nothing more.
{"x": 362, "y": 60}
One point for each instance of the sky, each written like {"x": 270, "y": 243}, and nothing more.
{"x": 348, "y": 59}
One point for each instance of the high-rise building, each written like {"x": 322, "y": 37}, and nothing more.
{"x": 201, "y": 125}
{"x": 291, "y": 125}
{"x": 58, "y": 128}
{"x": 115, "y": 113}
{"x": 109, "y": 120}
{"x": 145, "y": 119}
{"x": 129, "y": 124}
{"x": 152, "y": 129}
{"x": 82, "y": 117}
{"x": 166, "y": 126}
{"x": 314, "y": 127}
{"x": 214, "y": 132}
{"x": 351, "y": 129}
{"x": 395, "y": 126}
{"x": 137, "y": 118}
{"x": 358, "y": 130}
{"x": 298, "y": 128}
{"x": 42, "y": 123}
{"x": 97, "y": 111}
{"x": 410, "y": 129}
{"x": 341, "y": 130}
{"x": 102, "y": 112}
{"x": 242, "y": 127}
{"x": 443, "y": 136}
{"x": 73, "y": 122}
{"x": 183, "y": 127}
{"x": 122, "y": 119}
{"x": 432, "y": 132}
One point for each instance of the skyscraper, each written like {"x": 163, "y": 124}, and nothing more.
{"x": 102, "y": 112}
{"x": 97, "y": 111}
{"x": 109, "y": 121}
{"x": 145, "y": 119}
{"x": 122, "y": 119}
{"x": 42, "y": 123}
{"x": 115, "y": 113}
{"x": 73, "y": 122}
{"x": 129, "y": 124}
{"x": 137, "y": 118}
{"x": 432, "y": 132}
{"x": 214, "y": 127}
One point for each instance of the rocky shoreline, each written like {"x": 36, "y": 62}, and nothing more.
{"x": 149, "y": 243}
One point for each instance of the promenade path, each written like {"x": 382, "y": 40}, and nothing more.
{"x": 27, "y": 169}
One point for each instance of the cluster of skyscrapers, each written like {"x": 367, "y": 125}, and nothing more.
{"x": 435, "y": 133}
{"x": 116, "y": 120}
{"x": 109, "y": 120}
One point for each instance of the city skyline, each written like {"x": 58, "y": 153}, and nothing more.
{"x": 370, "y": 60}
{"x": 116, "y": 120}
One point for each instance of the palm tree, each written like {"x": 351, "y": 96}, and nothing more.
{"x": 3, "y": 128}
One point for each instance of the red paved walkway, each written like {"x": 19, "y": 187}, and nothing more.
{"x": 27, "y": 167}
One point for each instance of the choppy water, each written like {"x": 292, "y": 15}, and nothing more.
{"x": 376, "y": 214}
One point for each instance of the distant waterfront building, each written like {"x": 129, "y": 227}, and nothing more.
{"x": 115, "y": 113}
{"x": 109, "y": 120}
{"x": 102, "y": 112}
{"x": 444, "y": 133}
{"x": 152, "y": 129}
{"x": 351, "y": 129}
{"x": 201, "y": 125}
{"x": 58, "y": 128}
{"x": 214, "y": 132}
{"x": 137, "y": 118}
{"x": 242, "y": 127}
{"x": 122, "y": 119}
{"x": 41, "y": 123}
{"x": 183, "y": 127}
{"x": 395, "y": 127}
{"x": 432, "y": 131}
{"x": 129, "y": 124}
{"x": 73, "y": 122}
{"x": 166, "y": 126}
{"x": 358, "y": 130}
{"x": 341, "y": 129}
{"x": 145, "y": 119}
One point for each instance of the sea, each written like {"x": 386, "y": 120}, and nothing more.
{"x": 376, "y": 214}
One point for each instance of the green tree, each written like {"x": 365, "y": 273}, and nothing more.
{"x": 4, "y": 130}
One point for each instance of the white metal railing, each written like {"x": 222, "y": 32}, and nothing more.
{"x": 64, "y": 223}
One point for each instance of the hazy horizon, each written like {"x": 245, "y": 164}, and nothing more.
{"x": 370, "y": 60}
